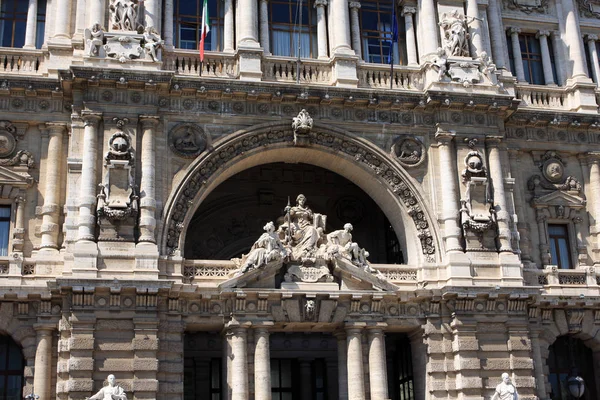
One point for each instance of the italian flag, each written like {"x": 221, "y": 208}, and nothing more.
{"x": 205, "y": 28}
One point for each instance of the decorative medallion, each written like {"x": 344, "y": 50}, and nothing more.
{"x": 8, "y": 141}
{"x": 552, "y": 167}
{"x": 474, "y": 166}
{"x": 187, "y": 140}
{"x": 409, "y": 152}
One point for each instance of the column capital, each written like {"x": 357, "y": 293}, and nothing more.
{"x": 493, "y": 141}
{"x": 320, "y": 3}
{"x": 443, "y": 136}
{"x": 591, "y": 38}
{"x": 91, "y": 118}
{"x": 542, "y": 32}
{"x": 513, "y": 30}
{"x": 44, "y": 329}
{"x": 149, "y": 120}
{"x": 56, "y": 127}
{"x": 354, "y": 4}
{"x": 408, "y": 10}
{"x": 592, "y": 157}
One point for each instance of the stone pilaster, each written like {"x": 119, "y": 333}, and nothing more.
{"x": 262, "y": 364}
{"x": 428, "y": 28}
{"x": 170, "y": 357}
{"x": 523, "y": 239}
{"x": 521, "y": 364}
{"x": 31, "y": 27}
{"x": 411, "y": 42}
{"x": 52, "y": 186}
{"x": 354, "y": 354}
{"x": 594, "y": 207}
{"x": 355, "y": 27}
{"x": 496, "y": 157}
{"x": 467, "y": 363}
{"x": 542, "y": 35}
{"x": 145, "y": 349}
{"x": 342, "y": 348}
{"x": 496, "y": 34}
{"x": 516, "y": 50}
{"x": 42, "y": 378}
{"x": 593, "y": 54}
{"x": 321, "y": 29}
{"x": 539, "y": 363}
{"x": 264, "y": 26}
{"x": 19, "y": 231}
{"x": 88, "y": 185}
{"x": 377, "y": 364}
{"x": 148, "y": 179}
{"x": 237, "y": 337}
{"x": 80, "y": 364}
{"x": 542, "y": 218}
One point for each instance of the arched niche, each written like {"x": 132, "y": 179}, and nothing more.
{"x": 357, "y": 160}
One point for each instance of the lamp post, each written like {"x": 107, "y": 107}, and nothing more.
{"x": 576, "y": 384}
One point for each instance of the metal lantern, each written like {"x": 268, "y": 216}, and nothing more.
{"x": 32, "y": 396}
{"x": 576, "y": 385}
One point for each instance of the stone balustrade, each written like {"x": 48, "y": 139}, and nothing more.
{"x": 378, "y": 76}
{"x": 22, "y": 61}
{"x": 563, "y": 281}
{"x": 215, "y": 65}
{"x": 286, "y": 69}
{"x": 542, "y": 96}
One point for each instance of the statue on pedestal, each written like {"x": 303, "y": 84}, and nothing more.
{"x": 110, "y": 392}
{"x": 505, "y": 390}
{"x": 94, "y": 39}
{"x": 267, "y": 248}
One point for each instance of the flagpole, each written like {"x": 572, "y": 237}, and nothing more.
{"x": 299, "y": 37}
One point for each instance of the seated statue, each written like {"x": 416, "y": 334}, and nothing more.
{"x": 153, "y": 42}
{"x": 110, "y": 392}
{"x": 94, "y": 40}
{"x": 302, "y": 235}
{"x": 340, "y": 242}
{"x": 267, "y": 248}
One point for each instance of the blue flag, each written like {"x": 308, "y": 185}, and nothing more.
{"x": 394, "y": 38}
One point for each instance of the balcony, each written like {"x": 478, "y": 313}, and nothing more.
{"x": 215, "y": 65}
{"x": 287, "y": 69}
{"x": 545, "y": 97}
{"x": 24, "y": 62}
{"x": 564, "y": 281}
{"x": 380, "y": 76}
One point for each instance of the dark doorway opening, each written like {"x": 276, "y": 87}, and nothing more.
{"x": 566, "y": 354}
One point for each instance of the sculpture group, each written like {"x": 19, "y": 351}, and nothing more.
{"x": 301, "y": 243}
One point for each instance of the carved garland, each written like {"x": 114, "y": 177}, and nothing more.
{"x": 337, "y": 142}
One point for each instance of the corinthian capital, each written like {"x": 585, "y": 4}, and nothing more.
{"x": 513, "y": 29}
{"x": 320, "y": 3}
{"x": 354, "y": 4}
{"x": 409, "y": 10}
{"x": 591, "y": 38}
{"x": 542, "y": 33}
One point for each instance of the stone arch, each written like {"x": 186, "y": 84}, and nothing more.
{"x": 356, "y": 159}
{"x": 566, "y": 322}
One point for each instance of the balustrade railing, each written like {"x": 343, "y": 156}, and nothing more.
{"x": 215, "y": 65}
{"x": 285, "y": 69}
{"x": 21, "y": 61}
{"x": 380, "y": 76}
{"x": 542, "y": 96}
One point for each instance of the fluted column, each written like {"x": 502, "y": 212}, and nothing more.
{"x": 87, "y": 184}
{"x": 496, "y": 34}
{"x": 262, "y": 364}
{"x": 264, "y": 26}
{"x": 50, "y": 210}
{"x": 411, "y": 43}
{"x": 228, "y": 30}
{"x": 593, "y": 52}
{"x": 237, "y": 337}
{"x": 475, "y": 29}
{"x": 355, "y": 27}
{"x": 516, "y": 49}
{"x": 377, "y": 365}
{"x": 148, "y": 180}
{"x": 356, "y": 375}
{"x": 502, "y": 216}
{"x": 559, "y": 57}
{"x": 31, "y": 26}
{"x": 340, "y": 22}
{"x": 62, "y": 23}
{"x": 247, "y": 35}
{"x": 542, "y": 35}
{"x": 42, "y": 377}
{"x": 428, "y": 27}
{"x": 342, "y": 348}
{"x": 321, "y": 29}
{"x": 448, "y": 176}
{"x": 572, "y": 39}
{"x": 152, "y": 13}
{"x": 168, "y": 35}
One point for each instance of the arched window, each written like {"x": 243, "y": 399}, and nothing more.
{"x": 13, "y": 21}
{"x": 11, "y": 369}
{"x": 287, "y": 29}
{"x": 566, "y": 354}
{"x": 376, "y": 32}
{"x": 188, "y": 22}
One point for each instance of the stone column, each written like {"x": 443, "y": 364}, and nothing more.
{"x": 340, "y": 22}
{"x": 593, "y": 52}
{"x": 168, "y": 35}
{"x": 495, "y": 155}
{"x": 541, "y": 218}
{"x": 572, "y": 39}
{"x": 62, "y": 23}
{"x": 542, "y": 35}
{"x": 448, "y": 176}
{"x": 355, "y": 27}
{"x": 475, "y": 29}
{"x": 148, "y": 181}
{"x": 42, "y": 378}
{"x": 97, "y": 11}
{"x": 559, "y": 58}
{"x": 31, "y": 28}
{"x": 356, "y": 375}
{"x": 228, "y": 33}
{"x": 428, "y": 28}
{"x": 262, "y": 364}
{"x": 516, "y": 49}
{"x": 377, "y": 364}
{"x": 522, "y": 239}
{"x": 496, "y": 34}
{"x": 152, "y": 13}
{"x": 88, "y": 185}
{"x": 305, "y": 379}
{"x": 52, "y": 184}
{"x": 237, "y": 337}
{"x": 538, "y": 363}
{"x": 411, "y": 43}
{"x": 248, "y": 22}
{"x": 342, "y": 347}
{"x": 321, "y": 29}
{"x": 264, "y": 26}
{"x": 594, "y": 194}
{"x": 19, "y": 233}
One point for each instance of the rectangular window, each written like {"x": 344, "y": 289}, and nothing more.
{"x": 188, "y": 23}
{"x": 558, "y": 237}
{"x": 288, "y": 32}
{"x": 4, "y": 229}
{"x": 13, "y": 20}
{"x": 281, "y": 379}
{"x": 376, "y": 33}
{"x": 531, "y": 54}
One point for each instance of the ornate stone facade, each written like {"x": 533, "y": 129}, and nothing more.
{"x": 139, "y": 184}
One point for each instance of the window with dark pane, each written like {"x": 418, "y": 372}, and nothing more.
{"x": 13, "y": 19}
{"x": 4, "y": 229}
{"x": 567, "y": 353}
{"x": 558, "y": 237}
{"x": 188, "y": 23}
{"x": 41, "y": 23}
{"x": 11, "y": 369}
{"x": 376, "y": 33}
{"x": 399, "y": 367}
{"x": 202, "y": 368}
{"x": 290, "y": 28}
{"x": 282, "y": 373}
